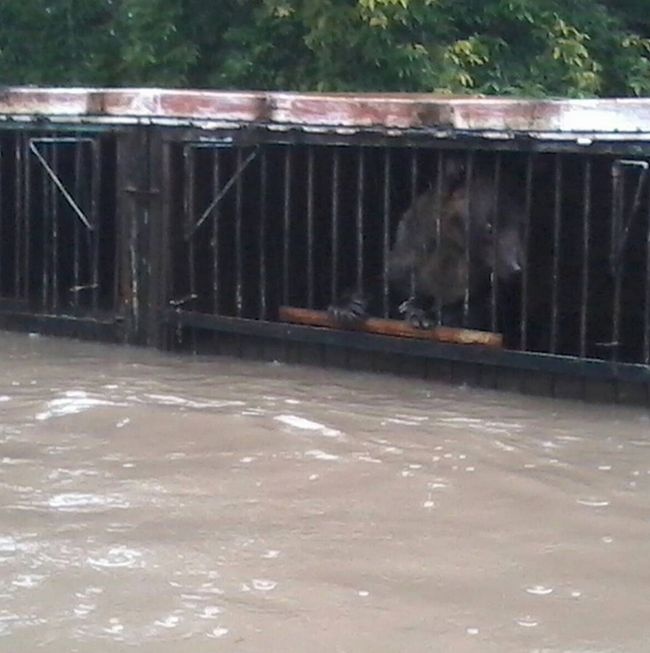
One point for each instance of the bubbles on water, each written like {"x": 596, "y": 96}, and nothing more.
{"x": 607, "y": 539}
{"x": 218, "y": 632}
{"x": 114, "y": 627}
{"x": 593, "y": 502}
{"x": 84, "y": 609}
{"x": 308, "y": 425}
{"x": 92, "y": 591}
{"x": 4, "y": 398}
{"x": 539, "y": 590}
{"x": 6, "y": 460}
{"x": 8, "y": 545}
{"x": 72, "y": 403}
{"x": 210, "y": 612}
{"x": 317, "y": 454}
{"x": 71, "y": 473}
{"x": 170, "y": 621}
{"x": 264, "y": 585}
{"x": 270, "y": 554}
{"x": 172, "y": 400}
{"x": 119, "y": 556}
{"x": 400, "y": 421}
{"x": 80, "y": 502}
{"x": 28, "y": 580}
{"x": 369, "y": 459}
{"x": 246, "y": 459}
{"x": 527, "y": 622}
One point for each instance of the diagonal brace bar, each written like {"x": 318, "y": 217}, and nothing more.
{"x": 191, "y": 230}
{"x": 59, "y": 184}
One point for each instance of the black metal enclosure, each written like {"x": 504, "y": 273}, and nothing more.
{"x": 59, "y": 252}
{"x": 193, "y": 237}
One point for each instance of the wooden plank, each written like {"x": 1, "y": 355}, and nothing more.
{"x": 397, "y": 328}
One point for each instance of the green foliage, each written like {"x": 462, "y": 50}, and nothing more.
{"x": 514, "y": 47}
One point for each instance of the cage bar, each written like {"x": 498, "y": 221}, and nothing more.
{"x": 586, "y": 218}
{"x": 386, "y": 232}
{"x": 557, "y": 230}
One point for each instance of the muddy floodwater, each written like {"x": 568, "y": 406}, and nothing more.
{"x": 180, "y": 504}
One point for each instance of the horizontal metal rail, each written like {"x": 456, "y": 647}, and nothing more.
{"x": 527, "y": 361}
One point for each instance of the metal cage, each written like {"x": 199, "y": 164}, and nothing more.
{"x": 182, "y": 230}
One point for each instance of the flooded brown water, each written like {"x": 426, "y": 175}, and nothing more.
{"x": 188, "y": 505}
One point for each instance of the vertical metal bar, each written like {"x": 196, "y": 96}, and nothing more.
{"x": 239, "y": 295}
{"x": 414, "y": 191}
{"x": 95, "y": 235}
{"x": 494, "y": 277}
{"x": 468, "y": 235}
{"x": 189, "y": 176}
{"x": 616, "y": 211}
{"x": 263, "y": 218}
{"x": 120, "y": 257}
{"x": 335, "y": 224}
{"x": 55, "y": 230}
{"x": 440, "y": 173}
{"x": 18, "y": 212}
{"x": 168, "y": 277}
{"x": 26, "y": 202}
{"x": 528, "y": 204}
{"x": 618, "y": 190}
{"x": 557, "y": 227}
{"x": 361, "y": 183}
{"x": 287, "y": 225}
{"x": 3, "y": 274}
{"x": 586, "y": 217}
{"x": 310, "y": 227}
{"x": 646, "y": 310}
{"x": 214, "y": 240}
{"x": 45, "y": 222}
{"x": 386, "y": 231}
{"x": 78, "y": 162}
